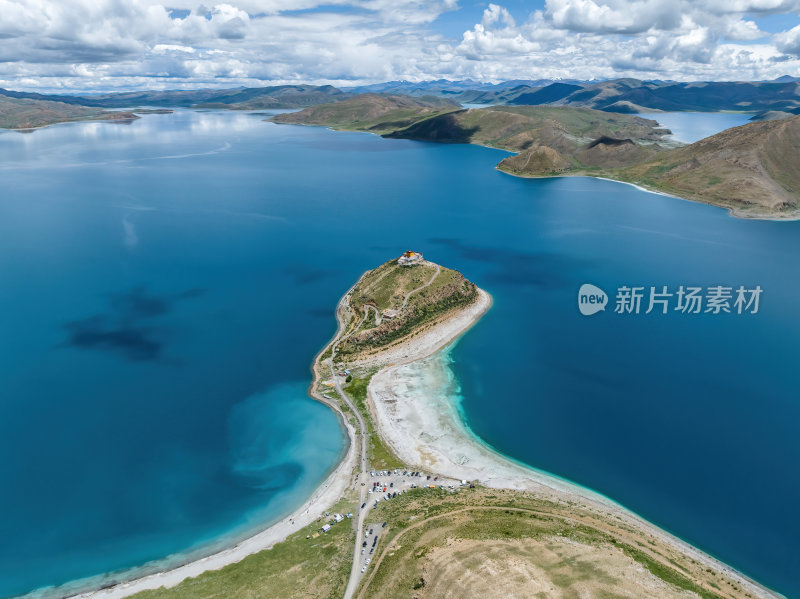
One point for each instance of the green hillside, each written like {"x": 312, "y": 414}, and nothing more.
{"x": 752, "y": 169}
{"x": 370, "y": 112}
{"x": 24, "y": 113}
{"x": 394, "y": 301}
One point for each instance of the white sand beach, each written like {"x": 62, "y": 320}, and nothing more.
{"x": 326, "y": 495}
{"x": 334, "y": 487}
{"x": 415, "y": 415}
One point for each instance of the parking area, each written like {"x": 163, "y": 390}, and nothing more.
{"x": 372, "y": 534}
{"x": 386, "y": 485}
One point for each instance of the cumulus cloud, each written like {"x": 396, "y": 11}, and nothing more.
{"x": 104, "y": 44}
{"x": 496, "y": 14}
{"x": 789, "y": 41}
{"x": 613, "y": 16}
{"x": 666, "y": 39}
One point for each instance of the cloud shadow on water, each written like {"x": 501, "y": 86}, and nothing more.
{"x": 130, "y": 327}
{"x": 304, "y": 274}
{"x": 539, "y": 269}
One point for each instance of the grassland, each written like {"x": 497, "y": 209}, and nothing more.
{"x": 470, "y": 543}
{"x": 421, "y": 295}
{"x": 299, "y": 567}
{"x": 379, "y": 455}
{"x": 501, "y": 544}
{"x": 370, "y": 112}
{"x": 517, "y": 128}
{"x": 550, "y": 139}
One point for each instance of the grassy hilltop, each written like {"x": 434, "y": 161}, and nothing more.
{"x": 394, "y": 302}
{"x": 519, "y": 127}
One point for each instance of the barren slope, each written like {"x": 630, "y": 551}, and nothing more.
{"x": 753, "y": 169}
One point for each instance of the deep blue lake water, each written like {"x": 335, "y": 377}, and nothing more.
{"x": 165, "y": 285}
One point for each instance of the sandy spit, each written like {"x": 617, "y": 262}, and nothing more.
{"x": 420, "y": 423}
{"x": 414, "y": 419}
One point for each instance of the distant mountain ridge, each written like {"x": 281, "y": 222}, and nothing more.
{"x": 779, "y": 97}
{"x": 278, "y": 96}
{"x": 626, "y": 95}
{"x": 633, "y": 95}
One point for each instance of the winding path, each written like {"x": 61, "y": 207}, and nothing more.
{"x": 355, "y": 573}
{"x": 421, "y": 287}
{"x": 361, "y": 432}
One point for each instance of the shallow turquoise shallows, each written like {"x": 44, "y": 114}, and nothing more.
{"x": 164, "y": 286}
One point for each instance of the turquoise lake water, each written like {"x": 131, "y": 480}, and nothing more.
{"x": 165, "y": 285}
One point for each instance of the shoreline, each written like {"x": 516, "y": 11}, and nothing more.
{"x": 419, "y": 434}
{"x": 95, "y": 119}
{"x": 327, "y": 494}
{"x": 732, "y": 212}
{"x": 332, "y": 489}
{"x": 435, "y": 437}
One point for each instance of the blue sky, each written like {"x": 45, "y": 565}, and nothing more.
{"x": 98, "y": 45}
{"x": 454, "y": 23}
